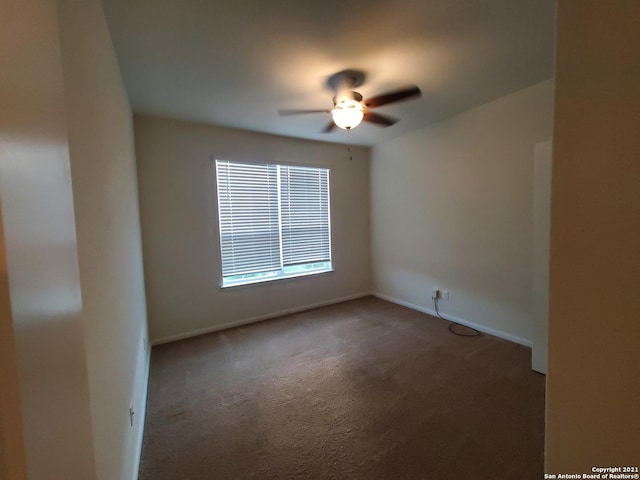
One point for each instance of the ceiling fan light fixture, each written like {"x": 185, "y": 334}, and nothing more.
{"x": 348, "y": 114}
{"x": 350, "y": 109}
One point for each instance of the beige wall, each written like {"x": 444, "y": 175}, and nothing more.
{"x": 105, "y": 190}
{"x": 593, "y": 385}
{"x": 38, "y": 219}
{"x": 69, "y": 202}
{"x": 180, "y": 226}
{"x": 452, "y": 209}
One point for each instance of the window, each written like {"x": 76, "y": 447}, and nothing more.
{"x": 274, "y": 221}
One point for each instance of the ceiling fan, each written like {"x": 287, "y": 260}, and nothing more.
{"x": 350, "y": 108}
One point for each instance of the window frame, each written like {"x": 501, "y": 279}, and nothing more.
{"x": 279, "y": 275}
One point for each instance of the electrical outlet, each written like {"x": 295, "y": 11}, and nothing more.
{"x": 436, "y": 293}
{"x": 445, "y": 295}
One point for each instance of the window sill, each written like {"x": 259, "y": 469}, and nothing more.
{"x": 262, "y": 281}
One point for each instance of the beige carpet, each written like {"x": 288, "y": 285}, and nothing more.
{"x": 361, "y": 390}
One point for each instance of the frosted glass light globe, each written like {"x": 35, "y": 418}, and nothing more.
{"x": 348, "y": 114}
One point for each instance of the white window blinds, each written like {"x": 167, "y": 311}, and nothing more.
{"x": 249, "y": 225}
{"x": 274, "y": 221}
{"x": 304, "y": 197}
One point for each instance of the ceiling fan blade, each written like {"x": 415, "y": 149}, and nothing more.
{"x": 395, "y": 96}
{"x": 381, "y": 120}
{"x": 330, "y": 126}
{"x": 287, "y": 112}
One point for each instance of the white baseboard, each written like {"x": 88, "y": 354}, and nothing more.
{"x": 259, "y": 318}
{"x": 461, "y": 321}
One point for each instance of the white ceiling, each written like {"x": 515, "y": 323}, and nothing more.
{"x": 235, "y": 62}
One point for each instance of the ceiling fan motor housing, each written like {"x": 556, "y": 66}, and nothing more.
{"x": 346, "y": 79}
{"x": 349, "y": 95}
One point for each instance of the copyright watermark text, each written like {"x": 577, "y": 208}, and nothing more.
{"x": 599, "y": 473}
